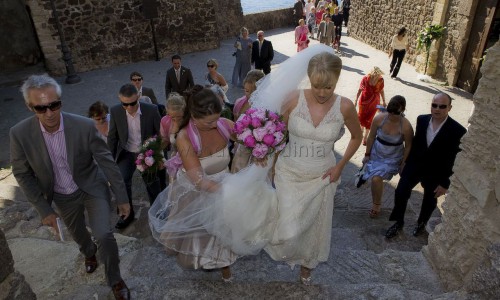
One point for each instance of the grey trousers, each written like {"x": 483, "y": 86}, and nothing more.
{"x": 71, "y": 209}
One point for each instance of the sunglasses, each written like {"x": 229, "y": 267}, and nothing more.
{"x": 41, "y": 109}
{"x": 440, "y": 106}
{"x": 136, "y": 79}
{"x": 210, "y": 66}
{"x": 129, "y": 104}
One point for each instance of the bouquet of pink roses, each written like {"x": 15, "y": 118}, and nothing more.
{"x": 150, "y": 158}
{"x": 262, "y": 131}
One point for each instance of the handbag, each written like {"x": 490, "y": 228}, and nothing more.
{"x": 358, "y": 181}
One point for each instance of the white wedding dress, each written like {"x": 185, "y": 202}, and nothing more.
{"x": 305, "y": 200}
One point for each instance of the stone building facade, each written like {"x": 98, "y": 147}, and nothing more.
{"x": 105, "y": 33}
{"x": 465, "y": 247}
{"x": 456, "y": 58}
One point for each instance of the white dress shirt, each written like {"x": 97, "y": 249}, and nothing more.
{"x": 431, "y": 133}
{"x": 134, "y": 131}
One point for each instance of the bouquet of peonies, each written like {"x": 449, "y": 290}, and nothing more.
{"x": 262, "y": 131}
{"x": 150, "y": 158}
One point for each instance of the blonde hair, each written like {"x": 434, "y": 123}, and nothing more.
{"x": 324, "y": 70}
{"x": 176, "y": 102}
{"x": 213, "y": 61}
{"x": 375, "y": 71}
{"x": 252, "y": 77}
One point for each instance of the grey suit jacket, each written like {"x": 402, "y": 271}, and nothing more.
{"x": 172, "y": 85}
{"x": 118, "y": 126}
{"x": 89, "y": 159}
{"x": 326, "y": 33}
{"x": 150, "y": 93}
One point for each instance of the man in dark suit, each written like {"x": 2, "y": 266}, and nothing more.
{"x": 60, "y": 158}
{"x": 262, "y": 53}
{"x": 131, "y": 123}
{"x": 179, "y": 78}
{"x": 430, "y": 162}
{"x": 137, "y": 80}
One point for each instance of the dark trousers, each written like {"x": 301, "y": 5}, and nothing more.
{"x": 346, "y": 17}
{"x": 403, "y": 192}
{"x": 397, "y": 60}
{"x": 71, "y": 209}
{"x": 126, "y": 163}
{"x": 266, "y": 68}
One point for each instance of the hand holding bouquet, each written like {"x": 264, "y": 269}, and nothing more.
{"x": 150, "y": 158}
{"x": 262, "y": 131}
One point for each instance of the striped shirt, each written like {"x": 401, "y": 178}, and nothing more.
{"x": 56, "y": 146}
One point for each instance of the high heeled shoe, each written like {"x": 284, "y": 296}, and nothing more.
{"x": 227, "y": 277}
{"x": 305, "y": 276}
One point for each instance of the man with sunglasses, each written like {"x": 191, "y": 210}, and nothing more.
{"x": 60, "y": 158}
{"x": 137, "y": 80}
{"x": 131, "y": 123}
{"x": 430, "y": 162}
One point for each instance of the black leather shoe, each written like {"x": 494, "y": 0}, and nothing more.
{"x": 123, "y": 223}
{"x": 393, "y": 230}
{"x": 419, "y": 229}
{"x": 121, "y": 291}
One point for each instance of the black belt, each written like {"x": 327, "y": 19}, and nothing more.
{"x": 386, "y": 143}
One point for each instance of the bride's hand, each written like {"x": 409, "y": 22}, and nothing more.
{"x": 260, "y": 161}
{"x": 333, "y": 173}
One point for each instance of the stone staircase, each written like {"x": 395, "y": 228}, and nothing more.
{"x": 362, "y": 263}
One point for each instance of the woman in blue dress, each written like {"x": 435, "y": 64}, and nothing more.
{"x": 387, "y": 148}
{"x": 243, "y": 55}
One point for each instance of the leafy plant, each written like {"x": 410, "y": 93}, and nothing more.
{"x": 425, "y": 38}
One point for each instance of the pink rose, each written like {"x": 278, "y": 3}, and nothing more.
{"x": 249, "y": 142}
{"x": 260, "y": 151}
{"x": 149, "y": 161}
{"x": 270, "y": 127}
{"x": 242, "y": 136}
{"x": 246, "y": 120}
{"x": 273, "y": 116}
{"x": 259, "y": 113}
{"x": 278, "y": 137}
{"x": 280, "y": 126}
{"x": 268, "y": 140}
{"x": 238, "y": 127}
{"x": 138, "y": 162}
{"x": 149, "y": 152}
{"x": 250, "y": 111}
{"x": 259, "y": 133}
{"x": 280, "y": 147}
{"x": 256, "y": 122}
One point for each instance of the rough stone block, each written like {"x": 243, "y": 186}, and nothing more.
{"x": 6, "y": 261}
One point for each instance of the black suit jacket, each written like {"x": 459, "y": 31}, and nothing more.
{"x": 266, "y": 54}
{"x": 150, "y": 93}
{"x": 118, "y": 126}
{"x": 171, "y": 84}
{"x": 434, "y": 164}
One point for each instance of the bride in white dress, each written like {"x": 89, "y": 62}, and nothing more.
{"x": 306, "y": 171}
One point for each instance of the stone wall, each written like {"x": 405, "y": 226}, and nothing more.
{"x": 105, "y": 33}
{"x": 376, "y": 22}
{"x": 269, "y": 20}
{"x": 465, "y": 247}
{"x": 19, "y": 46}
{"x": 12, "y": 283}
{"x": 229, "y": 17}
{"x": 458, "y": 20}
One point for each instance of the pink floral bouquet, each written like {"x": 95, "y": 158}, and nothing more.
{"x": 150, "y": 158}
{"x": 262, "y": 131}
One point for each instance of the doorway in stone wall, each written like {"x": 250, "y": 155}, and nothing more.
{"x": 20, "y": 47}
{"x": 484, "y": 33}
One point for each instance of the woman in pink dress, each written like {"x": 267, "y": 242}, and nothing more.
{"x": 301, "y": 33}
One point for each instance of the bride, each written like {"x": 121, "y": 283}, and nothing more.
{"x": 292, "y": 222}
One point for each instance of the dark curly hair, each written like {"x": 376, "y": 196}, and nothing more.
{"x": 201, "y": 102}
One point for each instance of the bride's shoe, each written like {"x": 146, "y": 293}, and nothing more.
{"x": 226, "y": 275}
{"x": 305, "y": 276}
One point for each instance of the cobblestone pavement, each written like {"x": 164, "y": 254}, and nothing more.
{"x": 362, "y": 264}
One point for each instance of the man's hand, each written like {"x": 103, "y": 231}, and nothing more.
{"x": 50, "y": 220}
{"x": 439, "y": 191}
{"x": 124, "y": 210}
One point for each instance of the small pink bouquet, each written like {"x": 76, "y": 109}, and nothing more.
{"x": 262, "y": 131}
{"x": 150, "y": 158}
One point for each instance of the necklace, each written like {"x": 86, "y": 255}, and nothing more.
{"x": 323, "y": 101}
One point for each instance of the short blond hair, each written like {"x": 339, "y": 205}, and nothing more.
{"x": 375, "y": 71}
{"x": 252, "y": 77}
{"x": 213, "y": 61}
{"x": 324, "y": 70}
{"x": 176, "y": 102}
